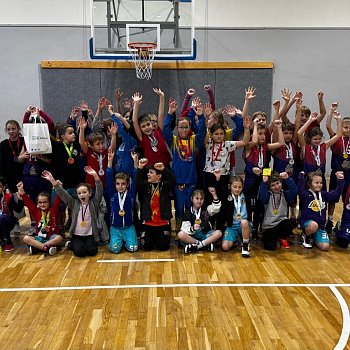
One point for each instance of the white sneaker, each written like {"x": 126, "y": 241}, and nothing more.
{"x": 306, "y": 241}
{"x": 245, "y": 250}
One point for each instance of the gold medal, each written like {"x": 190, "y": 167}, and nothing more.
{"x": 275, "y": 211}
{"x": 83, "y": 224}
{"x": 238, "y": 216}
{"x": 345, "y": 156}
{"x": 70, "y": 160}
{"x": 198, "y": 221}
{"x": 121, "y": 212}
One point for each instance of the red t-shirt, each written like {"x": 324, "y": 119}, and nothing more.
{"x": 93, "y": 160}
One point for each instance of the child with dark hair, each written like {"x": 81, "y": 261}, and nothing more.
{"x": 122, "y": 199}
{"x": 196, "y": 231}
{"x": 313, "y": 150}
{"x": 152, "y": 140}
{"x": 11, "y": 164}
{"x": 184, "y": 146}
{"x": 238, "y": 226}
{"x": 85, "y": 214}
{"x": 9, "y": 204}
{"x": 47, "y": 234}
{"x": 276, "y": 225}
{"x": 154, "y": 194}
{"x": 96, "y": 153}
{"x": 313, "y": 207}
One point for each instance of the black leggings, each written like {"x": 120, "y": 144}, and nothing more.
{"x": 157, "y": 237}
{"x": 282, "y": 230}
{"x": 84, "y": 246}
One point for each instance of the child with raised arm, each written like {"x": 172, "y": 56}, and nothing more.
{"x": 47, "y": 234}
{"x": 183, "y": 147}
{"x": 96, "y": 153}
{"x": 122, "y": 199}
{"x": 313, "y": 149}
{"x": 276, "y": 225}
{"x": 152, "y": 140}
{"x": 85, "y": 213}
{"x": 9, "y": 204}
{"x": 314, "y": 206}
{"x": 256, "y": 158}
{"x": 238, "y": 225}
{"x": 154, "y": 194}
{"x": 196, "y": 231}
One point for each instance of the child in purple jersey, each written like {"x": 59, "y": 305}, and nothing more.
{"x": 313, "y": 207}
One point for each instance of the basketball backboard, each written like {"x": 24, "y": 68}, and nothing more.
{"x": 167, "y": 23}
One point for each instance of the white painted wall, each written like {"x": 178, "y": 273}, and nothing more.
{"x": 209, "y": 13}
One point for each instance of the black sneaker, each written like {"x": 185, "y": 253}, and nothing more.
{"x": 306, "y": 241}
{"x": 329, "y": 226}
{"x": 33, "y": 250}
{"x": 190, "y": 248}
{"x": 209, "y": 247}
{"x": 245, "y": 250}
{"x": 68, "y": 244}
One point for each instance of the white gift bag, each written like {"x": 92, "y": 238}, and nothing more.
{"x": 37, "y": 138}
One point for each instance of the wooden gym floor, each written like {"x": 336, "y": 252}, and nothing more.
{"x": 287, "y": 299}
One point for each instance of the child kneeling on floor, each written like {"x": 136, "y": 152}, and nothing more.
{"x": 276, "y": 226}
{"x": 47, "y": 232}
{"x": 85, "y": 213}
{"x": 196, "y": 231}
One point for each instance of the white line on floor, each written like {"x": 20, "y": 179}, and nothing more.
{"x": 344, "y": 337}
{"x": 134, "y": 260}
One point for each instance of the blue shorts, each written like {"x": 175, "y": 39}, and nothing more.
{"x": 43, "y": 240}
{"x": 200, "y": 236}
{"x": 123, "y": 235}
{"x": 232, "y": 233}
{"x": 320, "y": 236}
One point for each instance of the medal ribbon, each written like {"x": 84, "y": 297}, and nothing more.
{"x": 276, "y": 202}
{"x": 184, "y": 151}
{"x": 121, "y": 199}
{"x": 2, "y": 203}
{"x": 317, "y": 156}
{"x": 237, "y": 204}
{"x": 214, "y": 157}
{"x": 69, "y": 150}
{"x": 154, "y": 142}
{"x": 318, "y": 202}
{"x": 346, "y": 148}
{"x": 261, "y": 157}
{"x": 100, "y": 159}
{"x": 13, "y": 151}
{"x": 289, "y": 150}
{"x": 83, "y": 212}
{"x": 45, "y": 218}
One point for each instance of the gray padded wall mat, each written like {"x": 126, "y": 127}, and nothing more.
{"x": 62, "y": 89}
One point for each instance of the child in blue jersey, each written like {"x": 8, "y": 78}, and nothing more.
{"x": 183, "y": 147}
{"x": 237, "y": 218}
{"x": 122, "y": 205}
{"x": 276, "y": 224}
{"x": 313, "y": 207}
{"x": 196, "y": 231}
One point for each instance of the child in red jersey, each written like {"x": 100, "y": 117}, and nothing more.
{"x": 47, "y": 235}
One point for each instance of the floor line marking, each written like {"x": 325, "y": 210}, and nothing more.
{"x": 134, "y": 260}
{"x": 181, "y": 285}
{"x": 345, "y": 333}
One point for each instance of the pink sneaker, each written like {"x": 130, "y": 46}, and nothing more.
{"x": 8, "y": 248}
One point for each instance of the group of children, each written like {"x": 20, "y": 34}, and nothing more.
{"x": 112, "y": 181}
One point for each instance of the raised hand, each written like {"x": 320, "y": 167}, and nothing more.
{"x": 30, "y": 109}
{"x": 247, "y": 122}
{"x": 277, "y": 123}
{"x": 249, "y": 93}
{"x": 137, "y": 98}
{"x": 172, "y": 106}
{"x": 217, "y": 174}
{"x": 82, "y": 123}
{"x": 111, "y": 153}
{"x": 83, "y": 105}
{"x": 286, "y": 94}
{"x": 230, "y": 110}
{"x": 313, "y": 116}
{"x": 90, "y": 171}
{"x": 142, "y": 163}
{"x": 339, "y": 175}
{"x": 110, "y": 109}
{"x": 212, "y": 191}
{"x": 199, "y": 109}
{"x": 48, "y": 176}
{"x": 159, "y": 166}
{"x": 195, "y": 102}
{"x": 320, "y": 95}
{"x": 297, "y": 95}
{"x": 207, "y": 88}
{"x": 284, "y": 175}
{"x": 191, "y": 92}
{"x": 127, "y": 103}
{"x": 334, "y": 106}
{"x": 20, "y": 188}
{"x": 113, "y": 129}
{"x": 159, "y": 92}
{"x": 336, "y": 115}
{"x": 257, "y": 171}
{"x": 118, "y": 93}
{"x": 207, "y": 109}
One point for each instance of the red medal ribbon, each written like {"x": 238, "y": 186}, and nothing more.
{"x": 13, "y": 151}
{"x": 215, "y": 157}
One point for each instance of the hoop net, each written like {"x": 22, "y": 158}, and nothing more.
{"x": 143, "y": 56}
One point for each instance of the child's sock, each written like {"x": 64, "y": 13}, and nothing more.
{"x": 200, "y": 244}
{"x": 245, "y": 240}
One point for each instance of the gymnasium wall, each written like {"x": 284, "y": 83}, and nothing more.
{"x": 305, "y": 56}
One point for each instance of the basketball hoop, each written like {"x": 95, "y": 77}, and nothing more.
{"x": 143, "y": 56}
